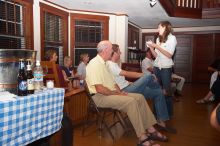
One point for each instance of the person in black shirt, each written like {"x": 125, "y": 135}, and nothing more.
{"x": 214, "y": 83}
{"x": 67, "y": 69}
{"x": 69, "y": 74}
{"x": 213, "y": 67}
{"x": 215, "y": 89}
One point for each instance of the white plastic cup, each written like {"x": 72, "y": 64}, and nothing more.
{"x": 50, "y": 84}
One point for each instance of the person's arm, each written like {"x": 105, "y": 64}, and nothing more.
{"x": 131, "y": 74}
{"x": 159, "y": 48}
{"x": 65, "y": 76}
{"x": 215, "y": 118}
{"x": 170, "y": 46}
{"x": 119, "y": 90}
{"x": 105, "y": 91}
{"x": 211, "y": 69}
{"x": 150, "y": 69}
{"x": 153, "y": 51}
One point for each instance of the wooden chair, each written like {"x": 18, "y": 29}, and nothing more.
{"x": 101, "y": 115}
{"x": 52, "y": 72}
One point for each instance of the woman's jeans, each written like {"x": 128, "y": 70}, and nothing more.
{"x": 164, "y": 77}
{"x": 150, "y": 88}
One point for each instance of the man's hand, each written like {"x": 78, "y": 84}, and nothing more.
{"x": 119, "y": 92}
{"x": 124, "y": 93}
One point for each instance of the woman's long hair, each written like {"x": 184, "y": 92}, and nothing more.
{"x": 168, "y": 30}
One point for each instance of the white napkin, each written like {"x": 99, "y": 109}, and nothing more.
{"x": 7, "y": 96}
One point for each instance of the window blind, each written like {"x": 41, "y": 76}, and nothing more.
{"x": 54, "y": 34}
{"x": 53, "y": 28}
{"x": 88, "y": 33}
{"x": 11, "y": 25}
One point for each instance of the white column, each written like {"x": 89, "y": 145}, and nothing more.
{"x": 121, "y": 35}
{"x": 69, "y": 36}
{"x": 36, "y": 28}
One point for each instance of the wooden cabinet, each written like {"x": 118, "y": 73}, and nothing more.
{"x": 133, "y": 36}
{"x": 75, "y": 105}
{"x": 206, "y": 49}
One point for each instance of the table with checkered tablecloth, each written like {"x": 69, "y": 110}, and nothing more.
{"x": 31, "y": 117}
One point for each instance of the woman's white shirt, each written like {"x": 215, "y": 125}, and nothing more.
{"x": 115, "y": 71}
{"x": 161, "y": 60}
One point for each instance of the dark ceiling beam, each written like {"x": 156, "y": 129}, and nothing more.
{"x": 175, "y": 11}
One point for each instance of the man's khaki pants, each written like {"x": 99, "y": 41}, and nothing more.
{"x": 134, "y": 105}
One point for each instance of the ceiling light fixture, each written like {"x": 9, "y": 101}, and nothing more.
{"x": 153, "y": 2}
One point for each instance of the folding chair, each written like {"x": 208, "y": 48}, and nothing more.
{"x": 100, "y": 113}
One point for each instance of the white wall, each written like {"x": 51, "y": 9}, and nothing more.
{"x": 121, "y": 37}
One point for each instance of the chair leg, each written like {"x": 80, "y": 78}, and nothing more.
{"x": 101, "y": 121}
{"x": 106, "y": 126}
{"x": 121, "y": 121}
{"x": 86, "y": 121}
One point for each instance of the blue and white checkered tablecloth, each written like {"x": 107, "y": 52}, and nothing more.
{"x": 30, "y": 118}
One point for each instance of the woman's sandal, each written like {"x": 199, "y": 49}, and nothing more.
{"x": 149, "y": 140}
{"x": 202, "y": 101}
{"x": 157, "y": 136}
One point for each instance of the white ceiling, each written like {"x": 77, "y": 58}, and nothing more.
{"x": 139, "y": 12}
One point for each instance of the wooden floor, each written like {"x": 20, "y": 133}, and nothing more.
{"x": 190, "y": 119}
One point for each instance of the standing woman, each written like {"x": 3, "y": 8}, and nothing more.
{"x": 163, "y": 51}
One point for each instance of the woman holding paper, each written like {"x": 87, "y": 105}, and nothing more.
{"x": 163, "y": 51}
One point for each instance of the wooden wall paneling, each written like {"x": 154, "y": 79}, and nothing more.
{"x": 76, "y": 105}
{"x": 183, "y": 56}
{"x": 217, "y": 46}
{"x": 202, "y": 55}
